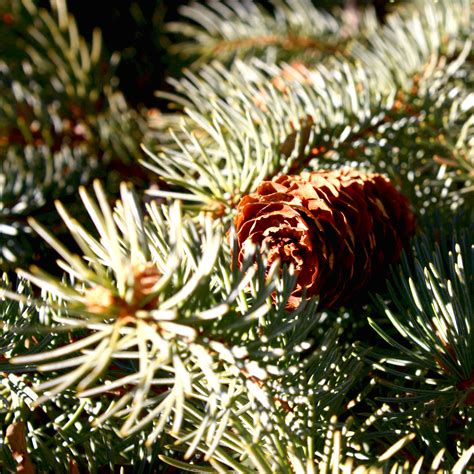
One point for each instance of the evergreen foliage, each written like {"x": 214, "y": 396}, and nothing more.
{"x": 62, "y": 118}
{"x": 146, "y": 344}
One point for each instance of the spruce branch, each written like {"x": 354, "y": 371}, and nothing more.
{"x": 67, "y": 418}
{"x": 142, "y": 295}
{"x": 430, "y": 377}
{"x": 410, "y": 121}
{"x": 226, "y": 30}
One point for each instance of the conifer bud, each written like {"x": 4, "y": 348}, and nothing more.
{"x": 98, "y": 300}
{"x": 144, "y": 277}
{"x": 339, "y": 229}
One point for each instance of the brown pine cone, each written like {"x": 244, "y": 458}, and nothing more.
{"x": 340, "y": 230}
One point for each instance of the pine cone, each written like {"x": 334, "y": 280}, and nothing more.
{"x": 340, "y": 230}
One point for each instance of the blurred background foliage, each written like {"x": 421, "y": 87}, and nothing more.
{"x": 137, "y": 29}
